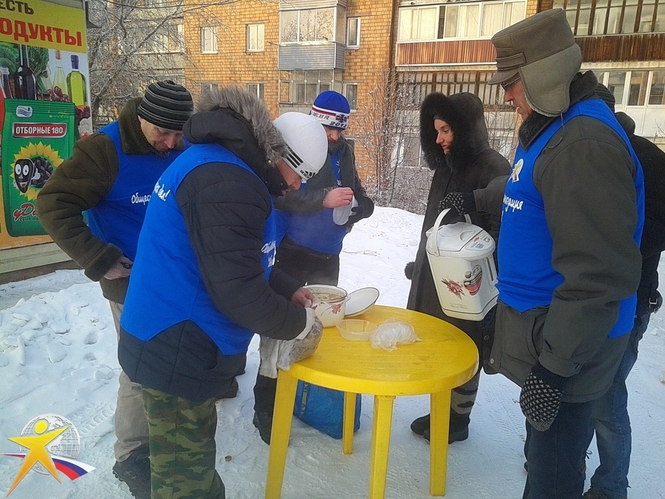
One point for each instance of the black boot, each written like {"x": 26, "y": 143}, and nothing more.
{"x": 420, "y": 425}
{"x": 457, "y": 432}
{"x": 263, "y": 422}
{"x": 135, "y": 472}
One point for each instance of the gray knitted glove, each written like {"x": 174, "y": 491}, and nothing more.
{"x": 540, "y": 398}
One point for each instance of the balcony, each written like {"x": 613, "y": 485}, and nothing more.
{"x": 311, "y": 56}
{"x": 433, "y": 53}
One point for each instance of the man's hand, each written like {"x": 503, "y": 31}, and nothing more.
{"x": 340, "y": 196}
{"x": 304, "y": 297}
{"x": 364, "y": 209}
{"x": 540, "y": 398}
{"x": 121, "y": 268}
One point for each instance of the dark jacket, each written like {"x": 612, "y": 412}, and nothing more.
{"x": 652, "y": 159}
{"x": 471, "y": 164}
{"x": 585, "y": 176}
{"x": 225, "y": 208}
{"x": 311, "y": 199}
{"x": 81, "y": 182}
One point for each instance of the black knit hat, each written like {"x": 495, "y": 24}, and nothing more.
{"x": 166, "y": 105}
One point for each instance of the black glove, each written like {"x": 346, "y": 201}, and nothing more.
{"x": 408, "y": 270}
{"x": 463, "y": 202}
{"x": 541, "y": 397}
{"x": 364, "y": 209}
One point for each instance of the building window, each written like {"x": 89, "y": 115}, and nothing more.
{"x": 255, "y": 89}
{"x": 353, "y": 33}
{"x": 312, "y": 25}
{"x": 635, "y": 88}
{"x": 609, "y": 17}
{"x": 208, "y": 87}
{"x": 472, "y": 20}
{"x": 302, "y": 87}
{"x": 180, "y": 38}
{"x": 351, "y": 94}
{"x": 418, "y": 23}
{"x": 209, "y": 40}
{"x": 657, "y": 91}
{"x": 410, "y": 152}
{"x": 419, "y": 85}
{"x": 166, "y": 39}
{"x": 160, "y": 43}
{"x": 255, "y": 36}
{"x": 462, "y": 21}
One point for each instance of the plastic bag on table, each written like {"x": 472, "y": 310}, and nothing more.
{"x": 391, "y": 333}
{"x": 282, "y": 353}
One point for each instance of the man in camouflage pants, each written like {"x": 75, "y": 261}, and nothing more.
{"x": 203, "y": 284}
{"x": 188, "y": 478}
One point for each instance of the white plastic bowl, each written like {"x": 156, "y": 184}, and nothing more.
{"x": 356, "y": 329}
{"x": 361, "y": 300}
{"x": 330, "y": 305}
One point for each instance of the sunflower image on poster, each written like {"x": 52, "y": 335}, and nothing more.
{"x": 37, "y": 137}
{"x": 33, "y": 166}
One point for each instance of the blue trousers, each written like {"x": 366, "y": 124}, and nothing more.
{"x": 612, "y": 424}
{"x": 555, "y": 458}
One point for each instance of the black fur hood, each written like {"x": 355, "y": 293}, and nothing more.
{"x": 464, "y": 113}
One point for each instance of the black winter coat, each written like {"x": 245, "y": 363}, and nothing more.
{"x": 652, "y": 159}
{"x": 471, "y": 165}
{"x": 225, "y": 209}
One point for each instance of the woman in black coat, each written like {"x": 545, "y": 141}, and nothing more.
{"x": 454, "y": 140}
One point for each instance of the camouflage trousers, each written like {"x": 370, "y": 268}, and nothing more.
{"x": 182, "y": 447}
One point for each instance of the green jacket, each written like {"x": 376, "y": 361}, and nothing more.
{"x": 77, "y": 185}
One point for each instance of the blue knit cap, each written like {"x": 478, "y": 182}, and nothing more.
{"x": 331, "y": 109}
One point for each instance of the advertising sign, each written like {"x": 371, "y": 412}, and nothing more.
{"x": 44, "y": 107}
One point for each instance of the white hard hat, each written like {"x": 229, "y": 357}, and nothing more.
{"x": 306, "y": 142}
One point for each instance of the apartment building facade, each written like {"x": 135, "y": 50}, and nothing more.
{"x": 288, "y": 51}
{"x": 623, "y": 42}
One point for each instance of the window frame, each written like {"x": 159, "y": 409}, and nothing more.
{"x": 609, "y": 17}
{"x": 260, "y": 36}
{"x": 337, "y": 16}
{"x": 208, "y": 87}
{"x": 460, "y": 22}
{"x": 355, "y": 45}
{"x": 353, "y": 100}
{"x": 308, "y": 83}
{"x": 259, "y": 91}
{"x": 212, "y": 30}
{"x": 635, "y": 84}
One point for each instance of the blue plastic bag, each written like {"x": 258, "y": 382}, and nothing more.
{"x": 323, "y": 408}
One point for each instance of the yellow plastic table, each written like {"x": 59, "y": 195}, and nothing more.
{"x": 444, "y": 359}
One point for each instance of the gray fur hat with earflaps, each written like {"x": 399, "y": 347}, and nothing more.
{"x": 542, "y": 51}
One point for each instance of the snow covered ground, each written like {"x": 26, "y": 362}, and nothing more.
{"x": 58, "y": 355}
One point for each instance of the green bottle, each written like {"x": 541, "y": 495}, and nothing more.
{"x": 76, "y": 84}
{"x": 59, "y": 81}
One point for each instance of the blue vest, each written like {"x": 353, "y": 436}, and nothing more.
{"x": 530, "y": 280}
{"x": 166, "y": 287}
{"x": 118, "y": 217}
{"x": 317, "y": 231}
